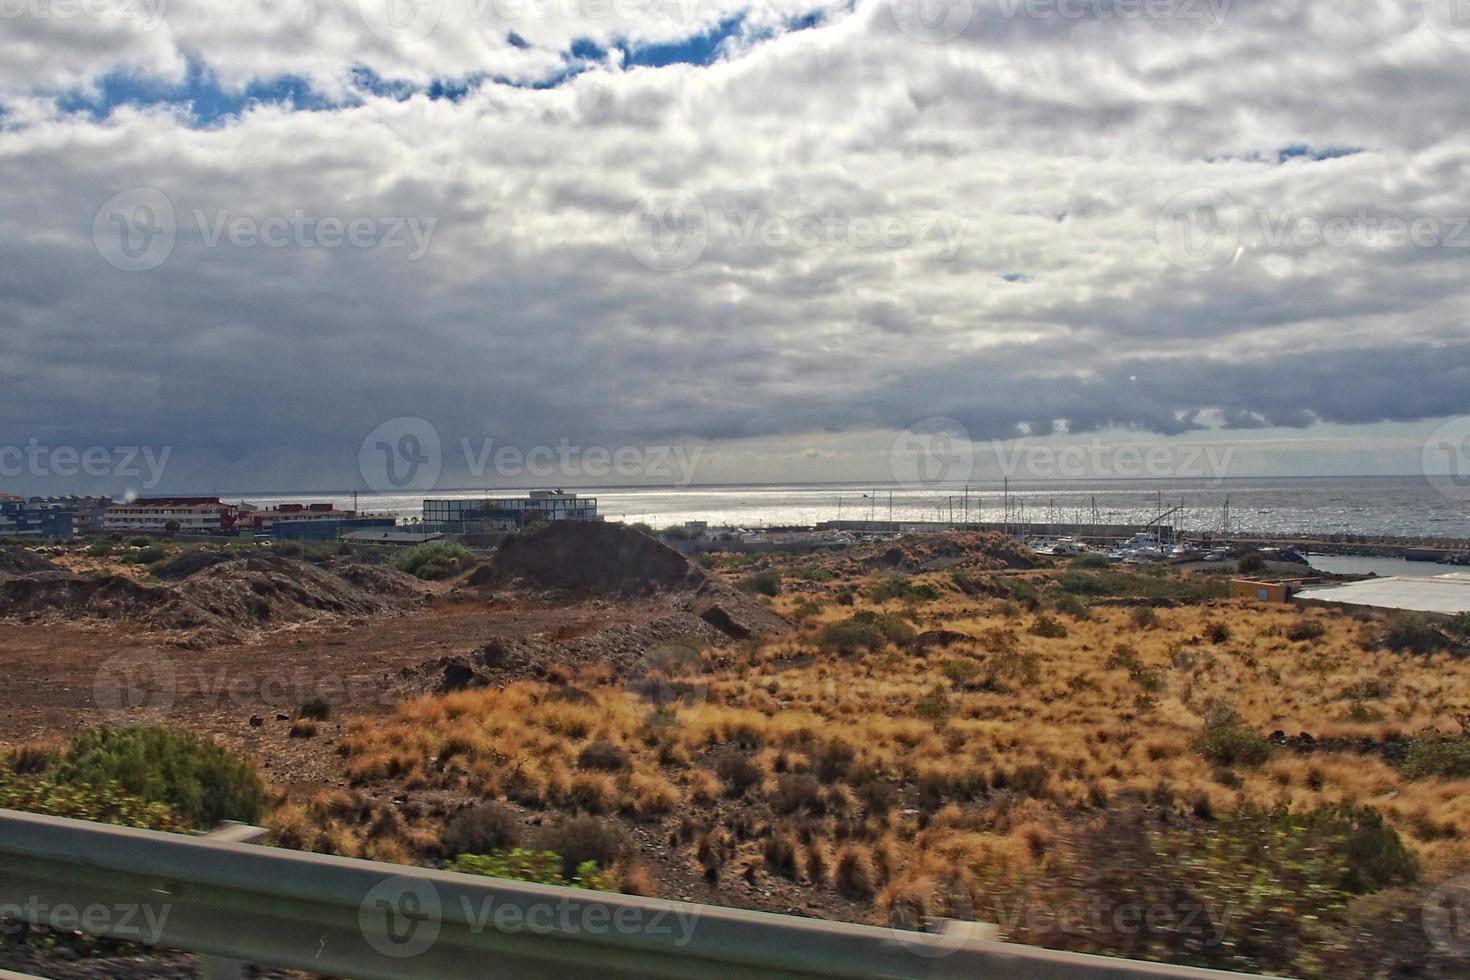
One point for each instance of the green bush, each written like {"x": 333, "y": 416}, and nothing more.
{"x": 540, "y": 867}
{"x": 866, "y": 630}
{"x": 1250, "y": 563}
{"x": 1048, "y": 627}
{"x": 196, "y": 778}
{"x": 902, "y": 588}
{"x": 1433, "y": 753}
{"x": 1091, "y": 561}
{"x": 1410, "y": 632}
{"x": 431, "y": 560}
{"x": 1305, "y": 629}
{"x": 80, "y": 801}
{"x": 583, "y": 840}
{"x": 1230, "y": 744}
{"x": 1072, "y": 606}
{"x": 767, "y": 582}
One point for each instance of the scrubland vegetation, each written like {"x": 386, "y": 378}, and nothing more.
{"x": 1009, "y": 746}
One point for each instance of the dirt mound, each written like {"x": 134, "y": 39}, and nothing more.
{"x": 590, "y": 556}
{"x": 20, "y": 561}
{"x": 977, "y": 550}
{"x": 224, "y": 602}
{"x": 181, "y": 567}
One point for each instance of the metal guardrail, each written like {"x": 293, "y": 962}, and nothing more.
{"x": 364, "y": 919}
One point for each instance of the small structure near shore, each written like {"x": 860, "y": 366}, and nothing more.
{"x": 1437, "y": 596}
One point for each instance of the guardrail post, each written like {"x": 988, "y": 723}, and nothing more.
{"x": 222, "y": 967}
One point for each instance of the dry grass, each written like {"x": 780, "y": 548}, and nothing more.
{"x": 877, "y": 774}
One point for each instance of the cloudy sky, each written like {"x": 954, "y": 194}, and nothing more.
{"x": 271, "y": 238}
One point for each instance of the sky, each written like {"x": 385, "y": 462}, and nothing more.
{"x": 405, "y": 244}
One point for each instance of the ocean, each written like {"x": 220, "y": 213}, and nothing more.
{"x": 1403, "y": 506}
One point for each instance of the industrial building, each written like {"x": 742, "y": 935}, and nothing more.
{"x": 471, "y": 514}
{"x": 187, "y": 515}
{"x": 1437, "y": 596}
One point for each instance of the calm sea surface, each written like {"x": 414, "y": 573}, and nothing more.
{"x": 1356, "y": 505}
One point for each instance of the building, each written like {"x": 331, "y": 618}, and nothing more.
{"x": 463, "y": 515}
{"x": 187, "y": 515}
{"x": 1244, "y": 588}
{"x": 265, "y": 519}
{"x": 34, "y": 519}
{"x": 399, "y": 536}
{"x": 1437, "y": 596}
{"x": 328, "y": 530}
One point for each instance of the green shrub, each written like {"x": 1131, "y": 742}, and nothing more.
{"x": 1305, "y": 629}
{"x": 583, "y": 840}
{"x": 902, "y": 588}
{"x": 1070, "y": 605}
{"x": 1048, "y": 627}
{"x": 480, "y": 829}
{"x": 105, "y": 803}
{"x": 1091, "y": 561}
{"x": 1250, "y": 563}
{"x": 431, "y": 560}
{"x": 1433, "y": 753}
{"x": 196, "y": 778}
{"x": 865, "y": 630}
{"x": 151, "y": 554}
{"x": 1217, "y": 632}
{"x": 806, "y": 608}
{"x": 1410, "y": 632}
{"x": 766, "y": 582}
{"x": 540, "y": 867}
{"x": 1231, "y": 744}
